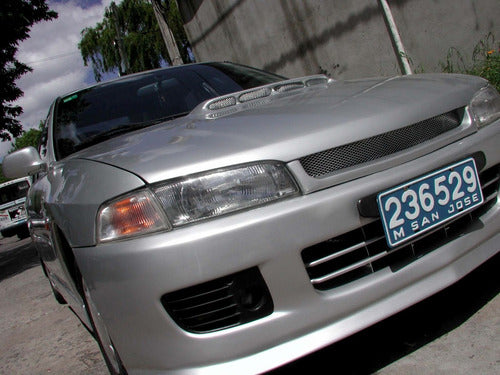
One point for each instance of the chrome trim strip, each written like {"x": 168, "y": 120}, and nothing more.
{"x": 352, "y": 267}
{"x": 343, "y": 252}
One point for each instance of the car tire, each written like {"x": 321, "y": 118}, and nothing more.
{"x": 24, "y": 233}
{"x": 7, "y": 233}
{"x": 100, "y": 332}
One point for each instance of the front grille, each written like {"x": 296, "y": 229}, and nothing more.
{"x": 369, "y": 149}
{"x": 219, "y": 304}
{"x": 363, "y": 251}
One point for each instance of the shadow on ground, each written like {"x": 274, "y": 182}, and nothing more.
{"x": 396, "y": 337}
{"x": 17, "y": 259}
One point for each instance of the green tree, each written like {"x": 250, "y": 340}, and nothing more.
{"x": 16, "y": 19}
{"x": 27, "y": 138}
{"x": 128, "y": 39}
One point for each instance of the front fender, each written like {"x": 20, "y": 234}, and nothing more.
{"x": 72, "y": 191}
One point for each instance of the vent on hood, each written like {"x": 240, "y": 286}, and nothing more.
{"x": 231, "y": 103}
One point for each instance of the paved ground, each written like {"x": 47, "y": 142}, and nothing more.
{"x": 455, "y": 332}
{"x": 37, "y": 335}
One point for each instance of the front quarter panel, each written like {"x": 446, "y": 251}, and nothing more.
{"x": 71, "y": 192}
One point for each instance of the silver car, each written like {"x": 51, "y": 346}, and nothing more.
{"x": 214, "y": 218}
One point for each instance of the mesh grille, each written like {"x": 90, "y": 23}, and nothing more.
{"x": 328, "y": 161}
{"x": 363, "y": 251}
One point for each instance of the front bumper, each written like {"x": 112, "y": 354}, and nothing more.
{"x": 128, "y": 278}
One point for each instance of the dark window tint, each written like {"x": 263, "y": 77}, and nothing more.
{"x": 93, "y": 115}
{"x": 13, "y": 192}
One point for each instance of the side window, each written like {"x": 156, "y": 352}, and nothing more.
{"x": 44, "y": 137}
{"x": 42, "y": 147}
{"x": 42, "y": 143}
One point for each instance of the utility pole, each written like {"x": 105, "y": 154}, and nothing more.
{"x": 124, "y": 67}
{"x": 397, "y": 43}
{"x": 168, "y": 36}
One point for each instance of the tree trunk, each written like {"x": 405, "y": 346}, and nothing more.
{"x": 124, "y": 67}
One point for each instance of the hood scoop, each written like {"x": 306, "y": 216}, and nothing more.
{"x": 241, "y": 100}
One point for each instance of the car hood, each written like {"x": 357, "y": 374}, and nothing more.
{"x": 285, "y": 128}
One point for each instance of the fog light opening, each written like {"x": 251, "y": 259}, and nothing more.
{"x": 252, "y": 298}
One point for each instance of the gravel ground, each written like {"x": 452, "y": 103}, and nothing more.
{"x": 37, "y": 335}
{"x": 455, "y": 332}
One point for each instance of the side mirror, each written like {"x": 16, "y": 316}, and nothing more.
{"x": 24, "y": 162}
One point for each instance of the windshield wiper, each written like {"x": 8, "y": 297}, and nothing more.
{"x": 165, "y": 118}
{"x": 124, "y": 128}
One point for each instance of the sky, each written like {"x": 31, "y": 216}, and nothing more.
{"x": 52, "y": 52}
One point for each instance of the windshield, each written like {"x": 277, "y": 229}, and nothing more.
{"x": 13, "y": 192}
{"x": 93, "y": 115}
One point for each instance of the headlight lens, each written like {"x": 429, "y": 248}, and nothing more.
{"x": 131, "y": 215}
{"x": 194, "y": 198}
{"x": 485, "y": 106}
{"x": 223, "y": 191}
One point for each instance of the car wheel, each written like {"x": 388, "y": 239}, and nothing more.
{"x": 24, "y": 233}
{"x": 7, "y": 233}
{"x": 111, "y": 357}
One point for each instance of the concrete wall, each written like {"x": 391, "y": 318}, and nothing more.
{"x": 344, "y": 38}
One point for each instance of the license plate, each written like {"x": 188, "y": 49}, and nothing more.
{"x": 417, "y": 206}
{"x": 17, "y": 213}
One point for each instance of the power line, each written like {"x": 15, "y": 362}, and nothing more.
{"x": 55, "y": 57}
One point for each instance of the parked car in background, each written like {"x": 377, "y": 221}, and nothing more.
{"x": 214, "y": 218}
{"x": 12, "y": 212}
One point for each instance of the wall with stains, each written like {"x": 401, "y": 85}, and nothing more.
{"x": 343, "y": 38}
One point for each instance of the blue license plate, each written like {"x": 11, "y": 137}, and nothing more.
{"x": 417, "y": 206}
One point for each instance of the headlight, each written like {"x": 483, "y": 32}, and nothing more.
{"x": 194, "y": 198}
{"x": 223, "y": 191}
{"x": 131, "y": 215}
{"x": 485, "y": 106}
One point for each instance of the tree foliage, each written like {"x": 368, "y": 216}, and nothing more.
{"x": 131, "y": 24}
{"x": 16, "y": 18}
{"x": 27, "y": 138}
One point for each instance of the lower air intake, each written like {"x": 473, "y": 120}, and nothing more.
{"x": 363, "y": 251}
{"x": 221, "y": 303}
